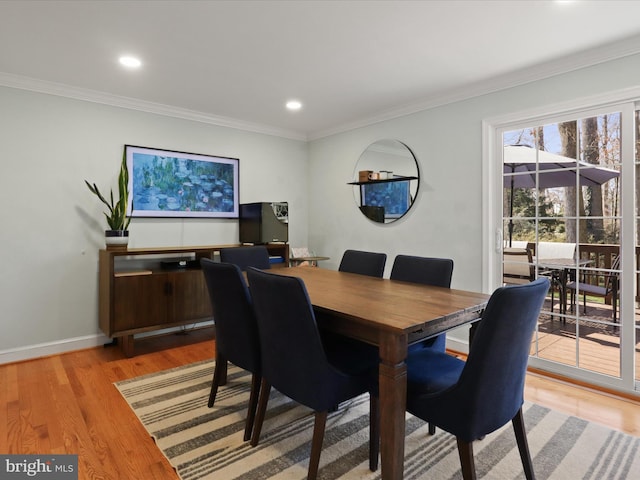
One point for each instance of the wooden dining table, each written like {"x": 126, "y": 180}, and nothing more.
{"x": 391, "y": 315}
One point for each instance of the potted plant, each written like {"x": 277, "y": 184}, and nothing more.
{"x": 118, "y": 233}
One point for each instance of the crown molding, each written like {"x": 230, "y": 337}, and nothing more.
{"x": 565, "y": 64}
{"x": 62, "y": 90}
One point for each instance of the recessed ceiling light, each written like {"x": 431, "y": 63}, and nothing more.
{"x": 131, "y": 62}
{"x": 294, "y": 105}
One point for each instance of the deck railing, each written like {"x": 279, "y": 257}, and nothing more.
{"x": 601, "y": 256}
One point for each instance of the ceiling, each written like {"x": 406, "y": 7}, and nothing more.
{"x": 350, "y": 63}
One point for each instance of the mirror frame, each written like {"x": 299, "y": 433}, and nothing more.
{"x": 398, "y": 186}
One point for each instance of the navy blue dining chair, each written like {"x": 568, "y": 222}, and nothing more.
{"x": 363, "y": 263}
{"x": 295, "y": 362}
{"x": 474, "y": 398}
{"x": 236, "y": 330}
{"x": 255, "y": 256}
{"x": 426, "y": 271}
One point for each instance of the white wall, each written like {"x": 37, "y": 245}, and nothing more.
{"x": 52, "y": 226}
{"x": 446, "y": 219}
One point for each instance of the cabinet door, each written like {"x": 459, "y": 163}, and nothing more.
{"x": 190, "y": 297}
{"x": 140, "y": 301}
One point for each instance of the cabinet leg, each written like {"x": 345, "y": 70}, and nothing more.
{"x": 126, "y": 342}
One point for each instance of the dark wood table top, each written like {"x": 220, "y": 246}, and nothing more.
{"x": 388, "y": 304}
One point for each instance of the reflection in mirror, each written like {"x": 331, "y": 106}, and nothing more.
{"x": 386, "y": 181}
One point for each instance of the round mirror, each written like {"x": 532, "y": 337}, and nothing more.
{"x": 386, "y": 181}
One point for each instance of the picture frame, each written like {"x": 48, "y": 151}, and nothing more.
{"x": 393, "y": 196}
{"x": 165, "y": 183}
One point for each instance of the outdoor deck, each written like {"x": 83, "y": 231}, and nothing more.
{"x": 598, "y": 348}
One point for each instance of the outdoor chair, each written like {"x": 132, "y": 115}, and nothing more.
{"x": 517, "y": 266}
{"x": 236, "y": 330}
{"x": 363, "y": 263}
{"x": 518, "y": 269}
{"x": 546, "y": 250}
{"x": 474, "y": 398}
{"x": 588, "y": 286}
{"x": 295, "y": 362}
{"x": 256, "y": 256}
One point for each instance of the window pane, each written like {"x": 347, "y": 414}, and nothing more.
{"x": 561, "y": 194}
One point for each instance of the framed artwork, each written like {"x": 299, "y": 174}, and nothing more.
{"x": 394, "y": 197}
{"x": 164, "y": 183}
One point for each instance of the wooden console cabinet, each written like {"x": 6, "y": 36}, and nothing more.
{"x": 145, "y": 289}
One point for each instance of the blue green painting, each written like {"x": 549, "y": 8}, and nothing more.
{"x": 180, "y": 186}
{"x": 393, "y": 196}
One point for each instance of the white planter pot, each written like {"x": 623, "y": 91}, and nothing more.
{"x": 116, "y": 239}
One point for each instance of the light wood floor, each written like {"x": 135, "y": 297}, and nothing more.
{"x": 68, "y": 404}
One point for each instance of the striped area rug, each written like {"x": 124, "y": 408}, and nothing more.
{"x": 206, "y": 443}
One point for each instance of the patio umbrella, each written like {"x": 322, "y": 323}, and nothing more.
{"x": 532, "y": 168}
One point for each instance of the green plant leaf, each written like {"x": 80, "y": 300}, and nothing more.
{"x": 117, "y": 211}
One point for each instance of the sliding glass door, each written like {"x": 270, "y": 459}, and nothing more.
{"x": 570, "y": 209}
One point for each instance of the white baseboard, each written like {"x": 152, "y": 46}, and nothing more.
{"x": 30, "y": 352}
{"x": 51, "y": 348}
{"x": 457, "y": 345}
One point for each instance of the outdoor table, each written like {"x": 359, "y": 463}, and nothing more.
{"x": 560, "y": 269}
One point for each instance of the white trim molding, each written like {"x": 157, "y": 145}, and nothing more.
{"x": 566, "y": 64}
{"x": 30, "y": 352}
{"x": 66, "y": 345}
{"x": 62, "y": 90}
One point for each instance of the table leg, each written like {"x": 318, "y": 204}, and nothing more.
{"x": 564, "y": 279}
{"x": 393, "y": 401}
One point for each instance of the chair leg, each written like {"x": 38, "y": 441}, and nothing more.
{"x": 571, "y": 299}
{"x": 374, "y": 432}
{"x": 265, "y": 389}
{"x": 253, "y": 405}
{"x": 432, "y": 429}
{"x": 465, "y": 451}
{"x": 316, "y": 444}
{"x": 219, "y": 378}
{"x": 562, "y": 299}
{"x": 523, "y": 445}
